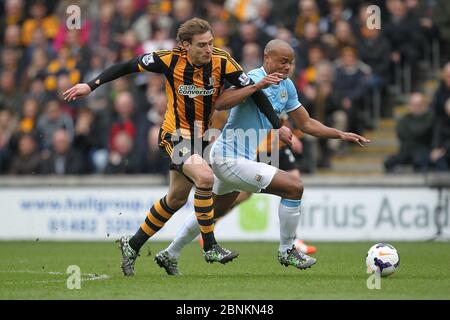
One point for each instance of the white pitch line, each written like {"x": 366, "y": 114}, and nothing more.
{"x": 90, "y": 276}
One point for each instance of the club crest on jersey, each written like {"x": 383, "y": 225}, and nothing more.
{"x": 212, "y": 81}
{"x": 192, "y": 91}
{"x": 147, "y": 59}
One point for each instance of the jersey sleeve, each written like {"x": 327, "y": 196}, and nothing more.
{"x": 151, "y": 62}
{"x": 293, "y": 102}
{"x": 234, "y": 73}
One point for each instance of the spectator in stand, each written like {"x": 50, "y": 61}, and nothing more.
{"x": 97, "y": 100}
{"x": 221, "y": 34}
{"x": 29, "y": 114}
{"x": 14, "y": 14}
{"x": 337, "y": 13}
{"x": 414, "y": 132}
{"x": 279, "y": 13}
{"x": 374, "y": 50}
{"x": 101, "y": 35}
{"x": 39, "y": 19}
{"x": 11, "y": 61}
{"x": 440, "y": 155}
{"x": 124, "y": 120}
{"x": 37, "y": 90}
{"x": 27, "y": 123}
{"x": 405, "y": 37}
{"x": 39, "y": 43}
{"x": 308, "y": 74}
{"x": 154, "y": 159}
{"x": 160, "y": 40}
{"x": 342, "y": 38}
{"x": 216, "y": 11}
{"x": 308, "y": 12}
{"x": 36, "y": 67}
{"x": 124, "y": 17}
{"x": 310, "y": 39}
{"x": 182, "y": 11}
{"x": 8, "y": 124}
{"x": 63, "y": 63}
{"x": 322, "y": 105}
{"x": 75, "y": 41}
{"x": 248, "y": 33}
{"x": 10, "y": 96}
{"x": 146, "y": 25}
{"x": 442, "y": 94}
{"x": 62, "y": 159}
{"x": 27, "y": 160}
{"x": 122, "y": 158}
{"x": 265, "y": 20}
{"x": 86, "y": 140}
{"x": 251, "y": 56}
{"x": 12, "y": 37}
{"x": 128, "y": 120}
{"x": 441, "y": 18}
{"x": 350, "y": 86}
{"x": 52, "y": 120}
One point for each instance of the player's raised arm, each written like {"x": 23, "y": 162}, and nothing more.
{"x": 233, "y": 96}
{"x": 236, "y": 76}
{"x": 246, "y": 88}
{"x": 313, "y": 127}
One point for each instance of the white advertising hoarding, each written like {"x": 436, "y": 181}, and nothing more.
{"x": 331, "y": 213}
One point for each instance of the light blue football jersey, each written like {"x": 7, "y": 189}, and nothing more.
{"x": 246, "y": 126}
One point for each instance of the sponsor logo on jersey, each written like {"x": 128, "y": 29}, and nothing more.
{"x": 192, "y": 91}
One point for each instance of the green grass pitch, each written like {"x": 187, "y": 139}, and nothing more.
{"x": 37, "y": 270}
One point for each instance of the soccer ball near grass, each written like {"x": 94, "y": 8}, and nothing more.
{"x": 383, "y": 258}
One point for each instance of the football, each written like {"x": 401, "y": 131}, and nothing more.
{"x": 383, "y": 258}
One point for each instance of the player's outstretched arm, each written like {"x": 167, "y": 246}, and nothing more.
{"x": 313, "y": 127}
{"x": 233, "y": 96}
{"x": 113, "y": 72}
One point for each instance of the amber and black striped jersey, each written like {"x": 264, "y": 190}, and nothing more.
{"x": 191, "y": 90}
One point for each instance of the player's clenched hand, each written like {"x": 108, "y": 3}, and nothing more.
{"x": 77, "y": 91}
{"x": 285, "y": 135}
{"x": 297, "y": 145}
{"x": 273, "y": 78}
{"x": 353, "y": 137}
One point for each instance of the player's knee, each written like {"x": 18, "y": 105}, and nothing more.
{"x": 296, "y": 189}
{"x": 204, "y": 179}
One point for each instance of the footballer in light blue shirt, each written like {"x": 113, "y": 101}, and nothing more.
{"x": 234, "y": 153}
{"x": 247, "y": 126}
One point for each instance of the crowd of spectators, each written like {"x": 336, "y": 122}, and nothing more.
{"x": 339, "y": 63}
